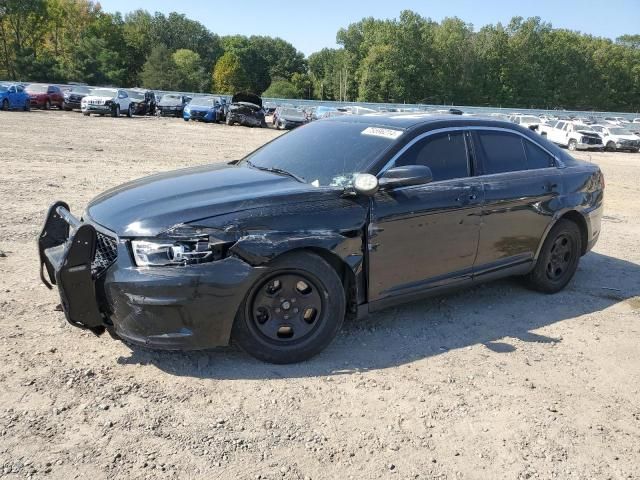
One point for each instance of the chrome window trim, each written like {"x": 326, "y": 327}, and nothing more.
{"x": 558, "y": 162}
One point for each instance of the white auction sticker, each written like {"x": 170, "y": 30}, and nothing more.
{"x": 382, "y": 132}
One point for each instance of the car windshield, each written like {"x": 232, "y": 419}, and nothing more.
{"x": 620, "y": 131}
{"x": 171, "y": 98}
{"x": 103, "y": 92}
{"x": 135, "y": 94}
{"x": 84, "y": 90}
{"x": 4, "y": 88}
{"x": 583, "y": 127}
{"x": 291, "y": 112}
{"x": 325, "y": 153}
{"x": 36, "y": 88}
{"x": 202, "y": 101}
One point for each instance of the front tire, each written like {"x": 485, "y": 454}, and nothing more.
{"x": 27, "y": 105}
{"x": 47, "y": 105}
{"x": 293, "y": 311}
{"x": 5, "y": 105}
{"x": 115, "y": 112}
{"x": 558, "y": 259}
{"x": 130, "y": 111}
{"x": 573, "y": 145}
{"x": 611, "y": 147}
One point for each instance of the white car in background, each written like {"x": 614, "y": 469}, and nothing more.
{"x": 616, "y": 120}
{"x": 618, "y": 138}
{"x": 107, "y": 101}
{"x": 528, "y": 121}
{"x": 572, "y": 135}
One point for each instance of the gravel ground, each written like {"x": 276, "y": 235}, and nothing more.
{"x": 494, "y": 382}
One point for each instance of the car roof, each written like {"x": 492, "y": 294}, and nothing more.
{"x": 408, "y": 121}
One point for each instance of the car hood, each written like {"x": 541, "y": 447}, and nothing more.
{"x": 101, "y": 98}
{"x": 151, "y": 205}
{"x": 293, "y": 118}
{"x": 200, "y": 108}
{"x": 625, "y": 137}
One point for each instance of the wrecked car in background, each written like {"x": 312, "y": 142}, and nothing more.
{"x": 339, "y": 218}
{"x": 172, "y": 105}
{"x": 289, "y": 118}
{"x": 73, "y": 97}
{"x": 572, "y": 135}
{"x": 246, "y": 109}
{"x": 143, "y": 101}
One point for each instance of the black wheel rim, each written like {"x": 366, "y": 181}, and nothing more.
{"x": 286, "y": 307}
{"x": 561, "y": 257}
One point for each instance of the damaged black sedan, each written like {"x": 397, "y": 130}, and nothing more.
{"x": 335, "y": 219}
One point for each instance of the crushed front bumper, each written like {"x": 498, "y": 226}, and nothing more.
{"x": 175, "y": 308}
{"x": 67, "y": 251}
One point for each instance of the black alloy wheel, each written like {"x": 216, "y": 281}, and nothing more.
{"x": 293, "y": 311}
{"x": 558, "y": 258}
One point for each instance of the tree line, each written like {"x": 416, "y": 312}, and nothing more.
{"x": 411, "y": 59}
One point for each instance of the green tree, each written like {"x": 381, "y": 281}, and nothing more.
{"x": 229, "y": 75}
{"x": 191, "y": 74}
{"x": 282, "y": 89}
{"x": 160, "y": 71}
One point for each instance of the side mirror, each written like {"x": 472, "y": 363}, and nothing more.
{"x": 365, "y": 184}
{"x": 406, "y": 176}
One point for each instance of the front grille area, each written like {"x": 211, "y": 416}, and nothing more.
{"x": 592, "y": 141}
{"x": 106, "y": 254}
{"x": 198, "y": 114}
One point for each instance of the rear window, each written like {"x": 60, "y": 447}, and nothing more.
{"x": 507, "y": 152}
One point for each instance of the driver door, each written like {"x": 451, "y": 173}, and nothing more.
{"x": 425, "y": 236}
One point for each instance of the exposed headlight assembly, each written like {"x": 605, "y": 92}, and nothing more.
{"x": 188, "y": 251}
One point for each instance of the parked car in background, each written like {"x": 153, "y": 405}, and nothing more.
{"x": 45, "y": 96}
{"x": 205, "y": 109}
{"x": 13, "y": 97}
{"x": 269, "y": 108}
{"x": 290, "y": 118}
{"x": 616, "y": 120}
{"x": 527, "y": 121}
{"x": 572, "y": 135}
{"x": 246, "y": 109}
{"x": 618, "y": 138}
{"x": 73, "y": 97}
{"x": 144, "y": 101}
{"x": 107, "y": 101}
{"x": 337, "y": 219}
{"x": 172, "y": 104}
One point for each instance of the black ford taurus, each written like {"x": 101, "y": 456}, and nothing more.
{"x": 335, "y": 219}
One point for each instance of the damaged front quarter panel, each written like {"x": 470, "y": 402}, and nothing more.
{"x": 331, "y": 225}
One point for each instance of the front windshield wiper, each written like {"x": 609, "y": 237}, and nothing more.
{"x": 278, "y": 171}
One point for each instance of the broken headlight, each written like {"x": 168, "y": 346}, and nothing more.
{"x": 153, "y": 253}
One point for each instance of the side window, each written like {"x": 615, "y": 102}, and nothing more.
{"x": 559, "y": 125}
{"x": 20, "y": 89}
{"x": 12, "y": 89}
{"x": 444, "y": 153}
{"x": 537, "y": 157}
{"x": 502, "y": 152}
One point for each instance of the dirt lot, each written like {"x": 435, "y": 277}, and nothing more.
{"x": 495, "y": 382}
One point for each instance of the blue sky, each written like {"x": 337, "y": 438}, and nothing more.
{"x": 311, "y": 26}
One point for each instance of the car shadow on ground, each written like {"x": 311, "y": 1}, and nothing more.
{"x": 498, "y": 315}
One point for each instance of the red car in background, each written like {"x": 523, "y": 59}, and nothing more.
{"x": 45, "y": 96}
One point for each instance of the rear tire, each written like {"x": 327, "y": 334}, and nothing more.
{"x": 293, "y": 311}
{"x": 611, "y": 147}
{"x": 27, "y": 105}
{"x": 5, "y": 105}
{"x": 47, "y": 105}
{"x": 558, "y": 259}
{"x": 130, "y": 111}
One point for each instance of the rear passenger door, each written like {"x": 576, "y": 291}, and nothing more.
{"x": 520, "y": 178}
